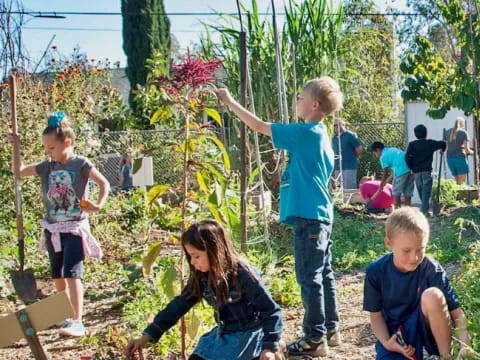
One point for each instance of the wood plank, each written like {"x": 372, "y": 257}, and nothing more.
{"x": 42, "y": 314}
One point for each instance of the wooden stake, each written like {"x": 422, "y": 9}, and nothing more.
{"x": 30, "y": 335}
{"x": 243, "y": 143}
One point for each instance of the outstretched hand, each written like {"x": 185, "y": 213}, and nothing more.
{"x": 224, "y": 95}
{"x": 135, "y": 347}
{"x": 408, "y": 350}
{"x": 11, "y": 138}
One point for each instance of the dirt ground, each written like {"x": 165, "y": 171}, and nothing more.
{"x": 357, "y": 338}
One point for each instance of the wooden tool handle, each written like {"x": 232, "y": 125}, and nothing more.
{"x": 16, "y": 170}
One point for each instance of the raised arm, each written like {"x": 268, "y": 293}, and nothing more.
{"x": 24, "y": 170}
{"x": 28, "y": 170}
{"x": 249, "y": 119}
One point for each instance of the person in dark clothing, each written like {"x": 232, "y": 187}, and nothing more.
{"x": 249, "y": 321}
{"x": 419, "y": 158}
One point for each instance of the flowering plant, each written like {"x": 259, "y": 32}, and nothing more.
{"x": 181, "y": 90}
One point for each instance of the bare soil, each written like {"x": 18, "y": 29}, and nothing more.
{"x": 357, "y": 338}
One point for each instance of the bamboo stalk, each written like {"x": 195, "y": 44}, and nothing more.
{"x": 186, "y": 157}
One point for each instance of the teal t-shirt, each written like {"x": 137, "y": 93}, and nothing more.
{"x": 394, "y": 159}
{"x": 304, "y": 187}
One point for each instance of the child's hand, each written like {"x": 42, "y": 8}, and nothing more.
{"x": 224, "y": 96}
{"x": 135, "y": 346}
{"x": 392, "y": 345}
{"x": 267, "y": 355}
{"x": 88, "y": 206}
{"x": 11, "y": 138}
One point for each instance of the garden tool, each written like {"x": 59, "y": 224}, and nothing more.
{"x": 401, "y": 340}
{"x": 23, "y": 280}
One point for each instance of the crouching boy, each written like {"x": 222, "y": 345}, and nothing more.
{"x": 409, "y": 296}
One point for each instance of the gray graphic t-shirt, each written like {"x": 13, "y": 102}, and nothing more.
{"x": 63, "y": 186}
{"x": 455, "y": 147}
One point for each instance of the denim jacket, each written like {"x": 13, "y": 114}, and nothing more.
{"x": 247, "y": 308}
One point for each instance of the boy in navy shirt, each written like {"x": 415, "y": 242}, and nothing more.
{"x": 419, "y": 158}
{"x": 409, "y": 292}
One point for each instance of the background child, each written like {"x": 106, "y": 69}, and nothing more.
{"x": 305, "y": 202}
{"x": 393, "y": 158}
{"x": 126, "y": 173}
{"x": 249, "y": 322}
{"x": 383, "y": 202}
{"x": 347, "y": 149}
{"x": 64, "y": 178}
{"x": 457, "y": 150}
{"x": 408, "y": 289}
{"x": 419, "y": 158}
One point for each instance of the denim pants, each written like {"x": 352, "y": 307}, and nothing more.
{"x": 423, "y": 181}
{"x": 313, "y": 266}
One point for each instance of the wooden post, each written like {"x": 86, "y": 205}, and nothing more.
{"x": 243, "y": 143}
{"x": 30, "y": 335}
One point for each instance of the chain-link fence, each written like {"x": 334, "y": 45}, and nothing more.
{"x": 107, "y": 149}
{"x": 390, "y": 134}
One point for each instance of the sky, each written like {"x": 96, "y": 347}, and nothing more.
{"x": 101, "y": 36}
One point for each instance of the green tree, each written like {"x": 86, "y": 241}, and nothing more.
{"x": 443, "y": 84}
{"x": 146, "y": 30}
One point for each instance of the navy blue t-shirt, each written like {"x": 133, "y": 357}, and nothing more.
{"x": 349, "y": 141}
{"x": 397, "y": 294}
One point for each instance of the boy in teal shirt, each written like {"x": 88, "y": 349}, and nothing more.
{"x": 305, "y": 202}
{"x": 403, "y": 180}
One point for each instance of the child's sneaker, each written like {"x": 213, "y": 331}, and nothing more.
{"x": 308, "y": 347}
{"x": 334, "y": 338}
{"x": 64, "y": 323}
{"x": 75, "y": 328}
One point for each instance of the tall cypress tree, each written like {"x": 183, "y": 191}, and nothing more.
{"x": 146, "y": 29}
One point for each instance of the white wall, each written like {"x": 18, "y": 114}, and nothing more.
{"x": 415, "y": 114}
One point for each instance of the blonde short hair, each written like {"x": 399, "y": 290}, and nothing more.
{"x": 407, "y": 219}
{"x": 327, "y": 92}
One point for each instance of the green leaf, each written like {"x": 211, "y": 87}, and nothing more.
{"x": 214, "y": 115}
{"x": 226, "y": 157}
{"x": 155, "y": 192}
{"x": 215, "y": 213}
{"x": 253, "y": 176}
{"x": 151, "y": 255}
{"x": 201, "y": 182}
{"x": 215, "y": 172}
{"x": 218, "y": 193}
{"x": 168, "y": 281}
{"x": 193, "y": 325}
{"x": 161, "y": 114}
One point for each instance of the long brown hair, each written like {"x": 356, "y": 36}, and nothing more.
{"x": 210, "y": 236}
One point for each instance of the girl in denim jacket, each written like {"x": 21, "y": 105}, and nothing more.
{"x": 249, "y": 322}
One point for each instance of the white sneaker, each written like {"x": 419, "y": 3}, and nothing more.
{"x": 65, "y": 323}
{"x": 75, "y": 328}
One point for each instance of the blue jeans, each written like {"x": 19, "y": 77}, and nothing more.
{"x": 423, "y": 181}
{"x": 313, "y": 266}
